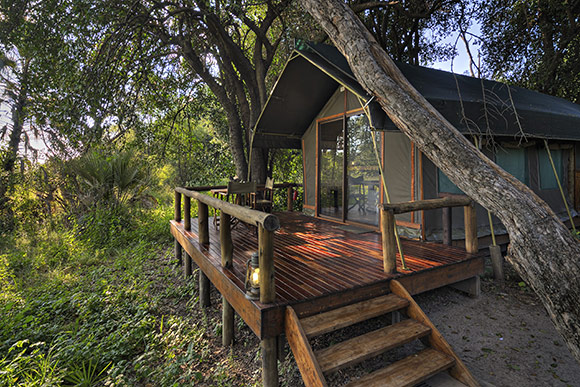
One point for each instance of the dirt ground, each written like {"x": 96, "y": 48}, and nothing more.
{"x": 505, "y": 338}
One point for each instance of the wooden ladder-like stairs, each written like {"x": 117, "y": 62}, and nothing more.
{"x": 436, "y": 358}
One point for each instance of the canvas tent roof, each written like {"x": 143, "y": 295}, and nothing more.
{"x": 314, "y": 72}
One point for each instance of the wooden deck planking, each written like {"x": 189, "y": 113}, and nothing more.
{"x": 313, "y": 258}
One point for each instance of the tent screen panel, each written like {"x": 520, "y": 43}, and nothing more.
{"x": 445, "y": 185}
{"x": 363, "y": 176}
{"x": 547, "y": 178}
{"x": 515, "y": 162}
{"x": 331, "y": 167}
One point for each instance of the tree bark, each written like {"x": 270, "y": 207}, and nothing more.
{"x": 18, "y": 116}
{"x": 542, "y": 249}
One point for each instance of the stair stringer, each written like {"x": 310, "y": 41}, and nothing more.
{"x": 459, "y": 371}
{"x": 305, "y": 358}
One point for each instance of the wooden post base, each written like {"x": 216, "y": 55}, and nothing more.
{"x": 204, "y": 300}
{"x": 187, "y": 263}
{"x": 178, "y": 254}
{"x": 269, "y": 362}
{"x": 471, "y": 286}
{"x": 497, "y": 263}
{"x": 227, "y": 323}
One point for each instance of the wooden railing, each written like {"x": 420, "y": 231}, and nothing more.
{"x": 289, "y": 189}
{"x": 266, "y": 223}
{"x": 389, "y": 211}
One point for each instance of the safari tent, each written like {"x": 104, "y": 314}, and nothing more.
{"x": 317, "y": 106}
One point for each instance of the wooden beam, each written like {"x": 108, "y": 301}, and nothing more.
{"x": 458, "y": 371}
{"x": 436, "y": 278}
{"x": 269, "y": 362}
{"x": 268, "y": 221}
{"x": 187, "y": 213}
{"x": 178, "y": 253}
{"x": 177, "y": 207}
{"x": 203, "y": 222}
{"x": 266, "y": 253}
{"x": 389, "y": 244}
{"x": 226, "y": 244}
{"x": 446, "y": 219}
{"x": 227, "y": 323}
{"x": 429, "y": 204}
{"x": 289, "y": 199}
{"x": 204, "y": 300}
{"x": 187, "y": 271}
{"x": 470, "y": 228}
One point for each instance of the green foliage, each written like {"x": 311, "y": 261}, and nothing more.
{"x": 534, "y": 44}
{"x": 112, "y": 180}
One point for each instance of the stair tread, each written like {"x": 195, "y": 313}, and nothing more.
{"x": 369, "y": 345}
{"x": 408, "y": 371}
{"x": 351, "y": 314}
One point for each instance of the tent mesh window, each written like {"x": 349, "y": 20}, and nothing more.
{"x": 547, "y": 178}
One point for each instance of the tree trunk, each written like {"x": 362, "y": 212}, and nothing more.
{"x": 18, "y": 116}
{"x": 542, "y": 249}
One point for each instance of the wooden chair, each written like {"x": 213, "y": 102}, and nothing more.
{"x": 241, "y": 192}
{"x": 265, "y": 202}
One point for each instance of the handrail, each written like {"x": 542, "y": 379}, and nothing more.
{"x": 268, "y": 221}
{"x": 388, "y": 212}
{"x": 428, "y": 204}
{"x": 210, "y": 187}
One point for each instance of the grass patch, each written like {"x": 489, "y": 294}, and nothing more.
{"x": 101, "y": 302}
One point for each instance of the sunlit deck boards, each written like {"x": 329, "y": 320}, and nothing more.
{"x": 318, "y": 264}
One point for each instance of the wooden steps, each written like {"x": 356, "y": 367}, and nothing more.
{"x": 351, "y": 314}
{"x": 371, "y": 344}
{"x": 424, "y": 364}
{"x": 436, "y": 358}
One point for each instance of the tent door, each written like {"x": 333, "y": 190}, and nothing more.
{"x": 349, "y": 185}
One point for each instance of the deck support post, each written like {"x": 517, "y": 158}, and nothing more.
{"x": 227, "y": 249}
{"x": 446, "y": 220}
{"x": 266, "y": 254}
{"x": 497, "y": 263}
{"x": 187, "y": 271}
{"x": 204, "y": 300}
{"x": 228, "y": 323}
{"x": 177, "y": 218}
{"x": 389, "y": 244}
{"x": 470, "y": 218}
{"x": 178, "y": 253}
{"x": 269, "y": 362}
{"x": 290, "y": 200}
{"x": 203, "y": 222}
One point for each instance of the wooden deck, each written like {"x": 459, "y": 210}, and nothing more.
{"x": 318, "y": 265}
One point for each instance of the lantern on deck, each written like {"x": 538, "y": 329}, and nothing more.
{"x": 252, "y": 283}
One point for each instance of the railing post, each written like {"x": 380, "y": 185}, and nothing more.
{"x": 177, "y": 218}
{"x": 446, "y": 219}
{"x": 290, "y": 200}
{"x": 227, "y": 249}
{"x": 186, "y": 212}
{"x": 266, "y": 253}
{"x": 203, "y": 222}
{"x": 470, "y": 218}
{"x": 389, "y": 244}
{"x": 187, "y": 227}
{"x": 203, "y": 234}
